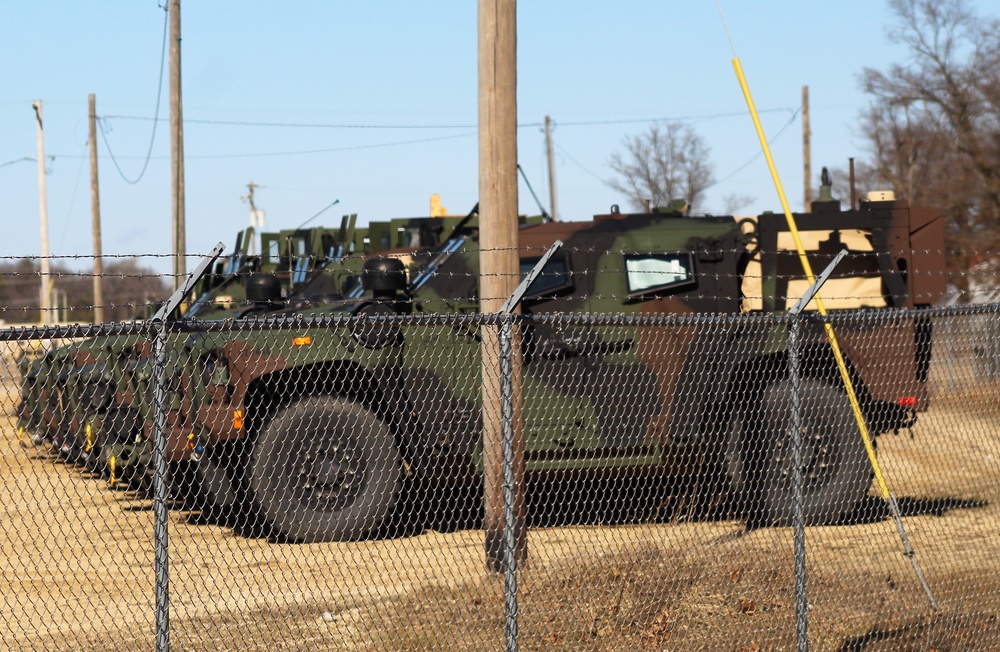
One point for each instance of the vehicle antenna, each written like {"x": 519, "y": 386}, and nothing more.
{"x": 326, "y": 208}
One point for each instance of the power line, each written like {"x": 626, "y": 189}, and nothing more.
{"x": 686, "y": 118}
{"x": 739, "y": 169}
{"x": 159, "y": 92}
{"x": 758, "y": 154}
{"x": 579, "y": 164}
{"x": 361, "y": 126}
{"x": 20, "y": 160}
{"x": 313, "y": 151}
{"x": 334, "y": 149}
{"x": 404, "y": 142}
{"x": 297, "y": 125}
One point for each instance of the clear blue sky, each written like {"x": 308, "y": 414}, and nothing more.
{"x": 387, "y": 95}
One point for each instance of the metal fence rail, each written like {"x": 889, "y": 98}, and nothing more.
{"x": 313, "y": 484}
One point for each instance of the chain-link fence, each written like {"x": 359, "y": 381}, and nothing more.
{"x": 326, "y": 483}
{"x": 332, "y": 447}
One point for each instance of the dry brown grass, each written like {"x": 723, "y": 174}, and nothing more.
{"x": 78, "y": 571}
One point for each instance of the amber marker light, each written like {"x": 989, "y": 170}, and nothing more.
{"x": 305, "y": 340}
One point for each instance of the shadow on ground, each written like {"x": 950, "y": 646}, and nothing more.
{"x": 947, "y": 632}
{"x": 874, "y": 509}
{"x": 574, "y": 501}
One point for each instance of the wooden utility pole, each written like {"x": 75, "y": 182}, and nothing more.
{"x": 45, "y": 291}
{"x": 806, "y": 155}
{"x": 256, "y": 217}
{"x": 498, "y": 259}
{"x": 177, "y": 147}
{"x": 95, "y": 215}
{"x": 552, "y": 168}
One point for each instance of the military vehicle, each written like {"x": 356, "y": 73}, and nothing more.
{"x": 88, "y": 399}
{"x": 79, "y": 395}
{"x": 313, "y": 425}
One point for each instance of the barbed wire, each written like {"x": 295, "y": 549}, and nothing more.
{"x": 987, "y": 256}
{"x": 979, "y": 283}
{"x": 102, "y": 256}
{"x": 981, "y": 268}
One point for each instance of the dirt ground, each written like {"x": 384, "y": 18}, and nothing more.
{"x": 79, "y": 572}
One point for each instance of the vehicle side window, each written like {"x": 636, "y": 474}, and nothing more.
{"x": 654, "y": 273}
{"x": 272, "y": 251}
{"x": 555, "y": 278}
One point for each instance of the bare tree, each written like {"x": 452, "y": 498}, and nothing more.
{"x": 934, "y": 123}
{"x": 133, "y": 289}
{"x": 734, "y": 202}
{"x": 668, "y": 162}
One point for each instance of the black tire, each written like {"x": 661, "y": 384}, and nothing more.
{"x": 119, "y": 425}
{"x": 837, "y": 472}
{"x": 218, "y": 476}
{"x": 324, "y": 468}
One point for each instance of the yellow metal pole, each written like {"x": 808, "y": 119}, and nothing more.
{"x": 807, "y": 268}
{"x": 832, "y": 337}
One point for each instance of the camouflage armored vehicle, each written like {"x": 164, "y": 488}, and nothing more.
{"x": 79, "y": 396}
{"x": 90, "y": 398}
{"x": 78, "y": 377}
{"x": 313, "y": 425}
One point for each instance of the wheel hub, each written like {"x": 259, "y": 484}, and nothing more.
{"x": 330, "y": 476}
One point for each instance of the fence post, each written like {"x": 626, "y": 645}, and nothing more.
{"x": 160, "y": 534}
{"x": 798, "y": 498}
{"x": 798, "y": 510}
{"x": 510, "y": 520}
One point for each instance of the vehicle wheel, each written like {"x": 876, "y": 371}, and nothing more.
{"x": 324, "y": 468}
{"x": 215, "y": 471}
{"x": 836, "y": 470}
{"x": 116, "y": 427}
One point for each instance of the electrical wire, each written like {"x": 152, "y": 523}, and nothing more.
{"x": 756, "y": 156}
{"x": 190, "y": 157}
{"x": 689, "y": 118}
{"x": 563, "y": 151}
{"x": 520, "y": 125}
{"x": 18, "y": 160}
{"x": 739, "y": 169}
{"x": 159, "y": 94}
{"x": 301, "y": 125}
{"x": 333, "y": 149}
{"x": 105, "y": 121}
